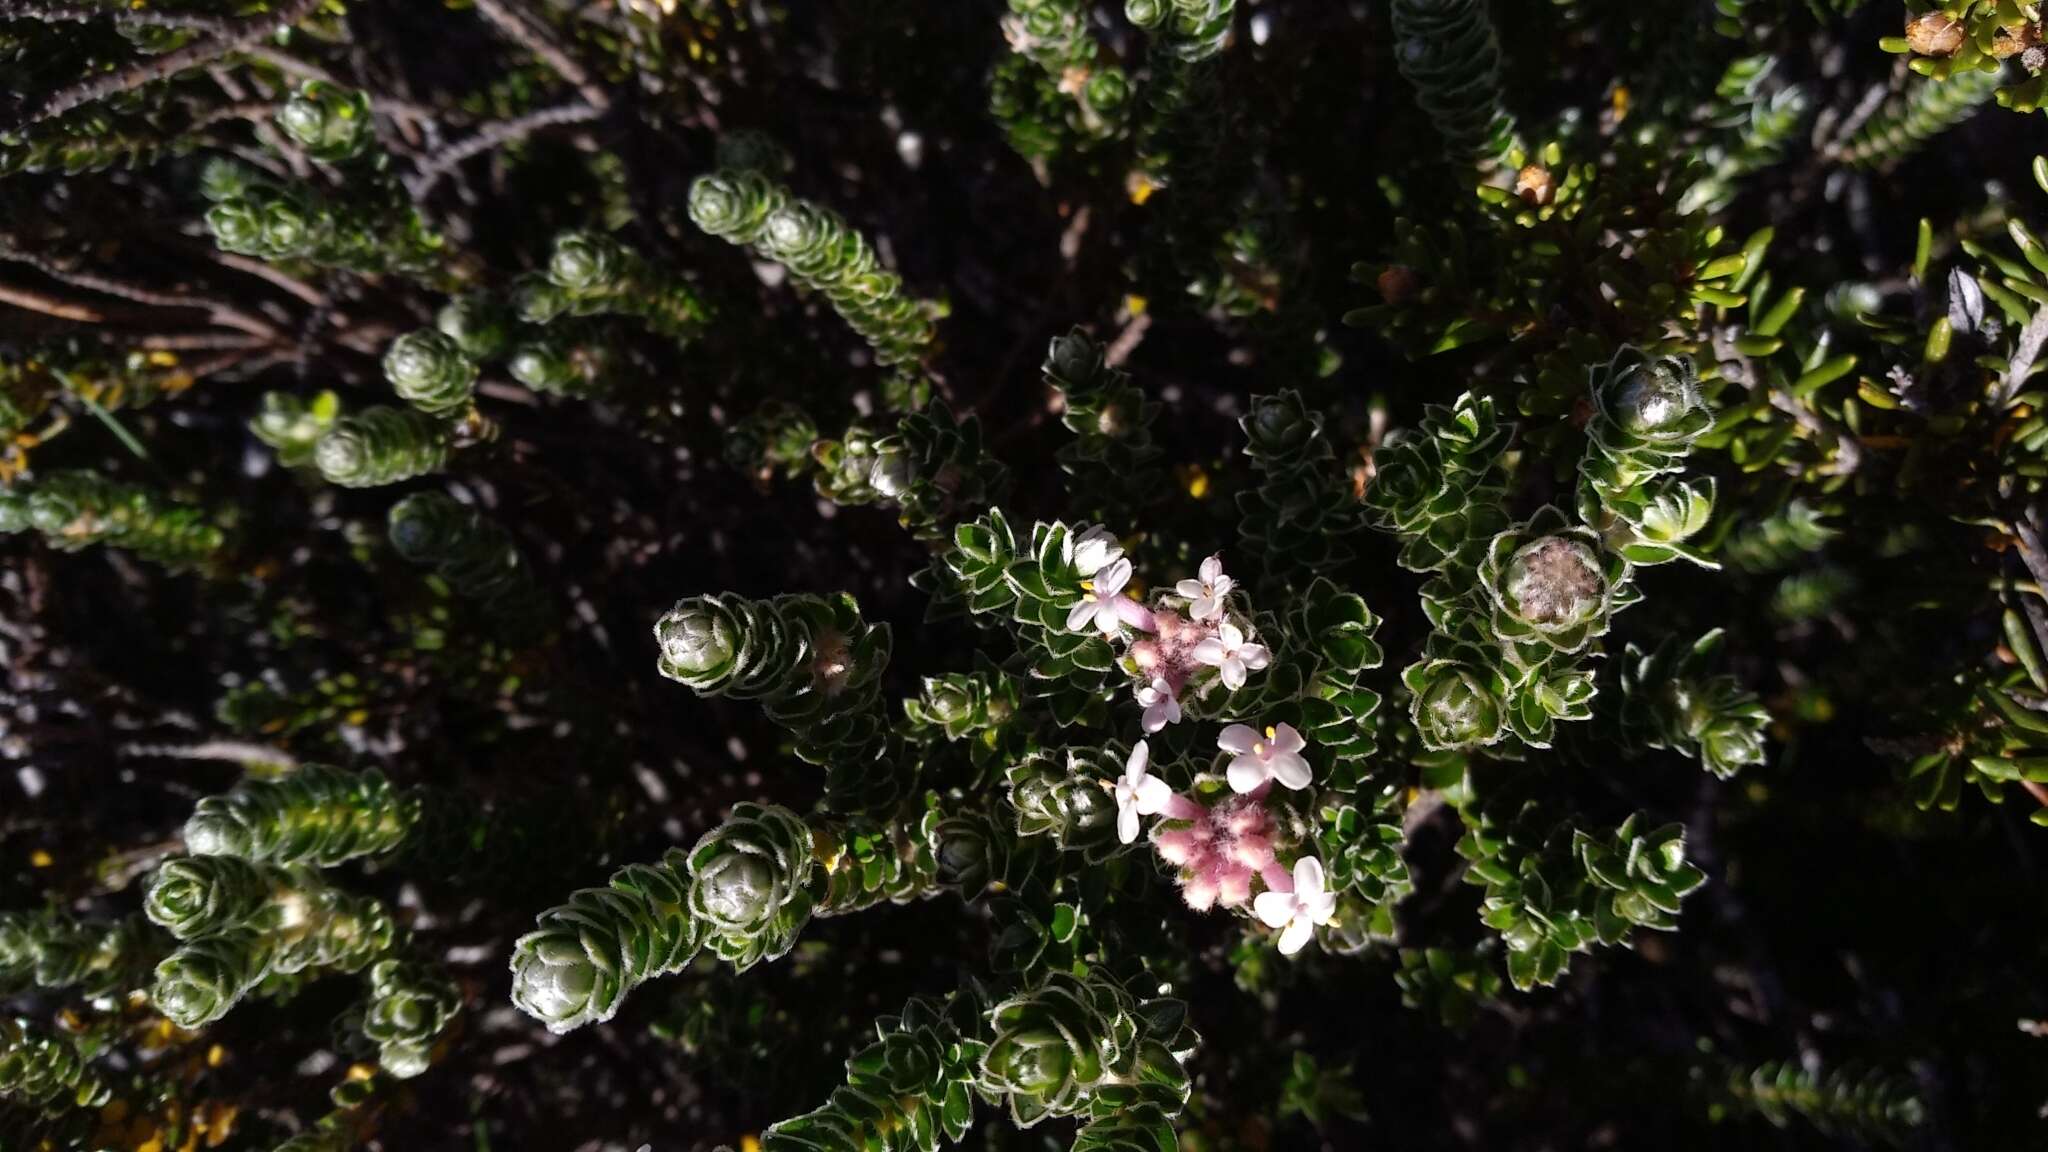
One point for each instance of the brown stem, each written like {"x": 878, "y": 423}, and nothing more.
{"x": 241, "y": 34}
{"x": 48, "y": 305}
{"x": 289, "y": 283}
{"x": 491, "y": 136}
{"x": 217, "y": 311}
{"x": 1848, "y": 450}
{"x": 521, "y": 27}
{"x": 75, "y": 14}
{"x": 198, "y": 342}
{"x": 306, "y": 70}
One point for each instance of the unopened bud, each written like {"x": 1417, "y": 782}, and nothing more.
{"x": 1535, "y": 185}
{"x": 1934, "y": 34}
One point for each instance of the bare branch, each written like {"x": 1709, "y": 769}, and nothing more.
{"x": 307, "y": 70}
{"x": 136, "y": 17}
{"x": 241, "y": 34}
{"x": 217, "y": 311}
{"x": 521, "y": 27}
{"x": 1848, "y": 450}
{"x": 49, "y": 305}
{"x": 492, "y": 136}
{"x": 286, "y": 281}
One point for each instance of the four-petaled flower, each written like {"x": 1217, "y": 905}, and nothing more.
{"x": 1231, "y": 654}
{"x": 1254, "y": 761}
{"x": 1139, "y": 793}
{"x": 1297, "y": 913}
{"x": 1205, "y": 596}
{"x": 1096, "y": 549}
{"x": 1103, "y": 605}
{"x": 1161, "y": 706}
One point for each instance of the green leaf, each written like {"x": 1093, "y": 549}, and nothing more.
{"x": 1780, "y": 313}
{"x": 1827, "y": 373}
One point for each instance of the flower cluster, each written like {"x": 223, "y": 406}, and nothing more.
{"x": 1188, "y": 641}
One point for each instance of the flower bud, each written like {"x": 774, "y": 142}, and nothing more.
{"x": 544, "y": 365}
{"x": 198, "y": 983}
{"x": 744, "y": 874}
{"x": 1280, "y": 425}
{"x": 330, "y": 122}
{"x": 557, "y": 982}
{"x": 286, "y": 231}
{"x": 477, "y": 324}
{"x": 223, "y": 180}
{"x": 1107, "y": 91}
{"x": 196, "y": 896}
{"x": 1176, "y": 846}
{"x": 892, "y": 472}
{"x": 409, "y": 1006}
{"x": 237, "y": 226}
{"x": 1037, "y": 1062}
{"x": 735, "y": 890}
{"x": 1398, "y": 284}
{"x": 795, "y": 234}
{"x": 718, "y": 203}
{"x": 1555, "y": 583}
{"x": 539, "y": 300}
{"x": 949, "y": 701}
{"x": 1146, "y": 14}
{"x": 964, "y": 856}
{"x": 1457, "y": 711}
{"x": 1934, "y": 34}
{"x": 698, "y": 639}
{"x": 1654, "y": 399}
{"x": 425, "y": 525}
{"x": 1407, "y": 477}
{"x": 1073, "y": 358}
{"x": 585, "y": 263}
{"x": 379, "y": 446}
{"x": 293, "y": 426}
{"x": 428, "y": 369}
{"x": 1535, "y": 185}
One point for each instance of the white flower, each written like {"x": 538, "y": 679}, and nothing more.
{"x": 1205, "y": 596}
{"x": 1104, "y": 607}
{"x": 1298, "y": 912}
{"x": 1255, "y": 761}
{"x": 1231, "y": 654}
{"x": 1139, "y": 793}
{"x": 1161, "y": 708}
{"x": 1094, "y": 550}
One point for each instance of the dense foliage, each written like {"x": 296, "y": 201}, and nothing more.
{"x": 1194, "y": 575}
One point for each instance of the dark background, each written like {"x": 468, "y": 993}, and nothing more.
{"x": 1838, "y": 920}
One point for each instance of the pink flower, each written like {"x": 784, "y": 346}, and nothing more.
{"x": 1297, "y": 913}
{"x": 1255, "y": 761}
{"x": 1219, "y": 850}
{"x": 1231, "y": 654}
{"x": 1104, "y": 607}
{"x": 1094, "y": 550}
{"x": 1205, "y": 596}
{"x": 1161, "y": 706}
{"x": 1139, "y": 793}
